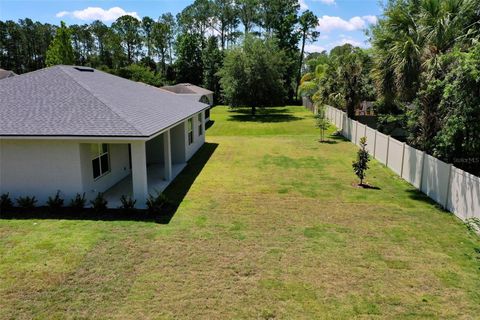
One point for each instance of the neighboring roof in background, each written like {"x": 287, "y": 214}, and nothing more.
{"x": 187, "y": 88}
{"x": 6, "y": 74}
{"x": 81, "y": 101}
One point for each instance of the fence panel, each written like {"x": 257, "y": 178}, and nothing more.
{"x": 452, "y": 188}
{"x": 464, "y": 195}
{"x": 370, "y": 140}
{"x": 360, "y": 133}
{"x": 412, "y": 166}
{"x": 353, "y": 136}
{"x": 381, "y": 147}
{"x": 395, "y": 156}
{"x": 344, "y": 124}
{"x": 347, "y": 132}
{"x": 435, "y": 179}
{"x": 338, "y": 119}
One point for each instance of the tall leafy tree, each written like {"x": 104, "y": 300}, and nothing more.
{"x": 252, "y": 74}
{"x": 307, "y": 24}
{"x": 60, "y": 50}
{"x": 189, "y": 62}
{"x": 196, "y": 18}
{"x": 128, "y": 29}
{"x": 83, "y": 43}
{"x": 147, "y": 27}
{"x": 100, "y": 33}
{"x": 248, "y": 13}
{"x": 224, "y": 19}
{"x": 279, "y": 19}
{"x": 212, "y": 62}
{"x": 160, "y": 42}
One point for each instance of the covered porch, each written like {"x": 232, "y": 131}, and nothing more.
{"x": 155, "y": 183}
{"x": 153, "y": 164}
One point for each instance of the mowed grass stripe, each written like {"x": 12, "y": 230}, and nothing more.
{"x": 269, "y": 227}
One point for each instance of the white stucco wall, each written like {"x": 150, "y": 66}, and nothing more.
{"x": 119, "y": 169}
{"x": 198, "y": 141}
{"x": 39, "y": 168}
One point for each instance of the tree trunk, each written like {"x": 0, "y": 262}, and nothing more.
{"x": 299, "y": 75}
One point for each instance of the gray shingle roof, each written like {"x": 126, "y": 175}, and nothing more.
{"x": 63, "y": 101}
{"x": 6, "y": 74}
{"x": 187, "y": 88}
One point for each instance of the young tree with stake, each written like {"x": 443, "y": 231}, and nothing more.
{"x": 360, "y": 166}
{"x": 322, "y": 121}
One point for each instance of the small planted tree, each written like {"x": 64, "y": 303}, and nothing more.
{"x": 360, "y": 166}
{"x": 322, "y": 121}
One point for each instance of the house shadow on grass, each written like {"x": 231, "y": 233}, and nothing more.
{"x": 175, "y": 193}
{"x": 338, "y": 137}
{"x": 263, "y": 115}
{"x": 209, "y": 124}
{"x": 418, "y": 195}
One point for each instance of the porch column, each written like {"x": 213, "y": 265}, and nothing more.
{"x": 167, "y": 155}
{"x": 139, "y": 173}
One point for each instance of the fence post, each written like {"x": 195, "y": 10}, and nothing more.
{"x": 449, "y": 185}
{"x": 356, "y": 132}
{"x": 421, "y": 172}
{"x": 374, "y": 143}
{"x": 388, "y": 148}
{"x": 403, "y": 159}
{"x": 365, "y": 131}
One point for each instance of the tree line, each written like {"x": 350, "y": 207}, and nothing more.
{"x": 189, "y": 47}
{"x": 422, "y": 71}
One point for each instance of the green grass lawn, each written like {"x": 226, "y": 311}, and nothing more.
{"x": 269, "y": 225}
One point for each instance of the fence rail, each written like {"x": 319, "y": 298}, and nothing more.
{"x": 454, "y": 189}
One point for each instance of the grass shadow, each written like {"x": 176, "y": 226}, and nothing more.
{"x": 209, "y": 124}
{"x": 418, "y": 195}
{"x": 339, "y": 137}
{"x": 179, "y": 187}
{"x": 263, "y": 115}
{"x": 175, "y": 193}
{"x": 328, "y": 142}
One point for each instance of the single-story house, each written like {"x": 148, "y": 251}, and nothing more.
{"x": 6, "y": 74}
{"x": 193, "y": 92}
{"x": 77, "y": 129}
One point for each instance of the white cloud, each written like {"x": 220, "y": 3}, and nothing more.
{"x": 370, "y": 19}
{"x": 303, "y": 5}
{"x": 329, "y": 23}
{"x": 353, "y": 42}
{"x": 314, "y": 48}
{"x": 329, "y": 2}
{"x": 97, "y": 13}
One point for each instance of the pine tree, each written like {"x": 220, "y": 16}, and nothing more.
{"x": 60, "y": 50}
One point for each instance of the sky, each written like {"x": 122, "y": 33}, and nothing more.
{"x": 340, "y": 21}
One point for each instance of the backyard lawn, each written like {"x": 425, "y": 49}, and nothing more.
{"x": 269, "y": 225}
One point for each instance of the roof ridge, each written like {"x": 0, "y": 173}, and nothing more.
{"x": 85, "y": 87}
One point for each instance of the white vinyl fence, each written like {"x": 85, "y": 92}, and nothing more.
{"x": 455, "y": 190}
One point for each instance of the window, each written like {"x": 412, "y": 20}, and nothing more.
{"x": 207, "y": 113}
{"x": 190, "y": 131}
{"x": 200, "y": 125}
{"x": 100, "y": 159}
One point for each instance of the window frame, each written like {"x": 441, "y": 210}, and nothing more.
{"x": 200, "y": 124}
{"x": 190, "y": 131}
{"x": 100, "y": 153}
